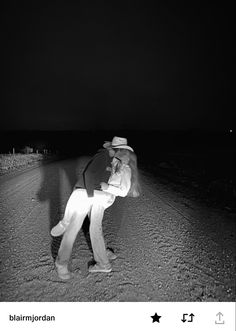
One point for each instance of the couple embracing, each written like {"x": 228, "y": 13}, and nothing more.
{"x": 111, "y": 172}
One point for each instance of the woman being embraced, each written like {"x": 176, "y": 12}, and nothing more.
{"x": 124, "y": 177}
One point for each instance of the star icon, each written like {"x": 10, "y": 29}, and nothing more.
{"x": 155, "y": 318}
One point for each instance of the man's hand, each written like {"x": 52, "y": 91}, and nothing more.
{"x": 104, "y": 186}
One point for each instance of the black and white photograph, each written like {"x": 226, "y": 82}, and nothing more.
{"x": 117, "y": 152}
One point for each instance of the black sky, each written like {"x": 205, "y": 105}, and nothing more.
{"x": 72, "y": 65}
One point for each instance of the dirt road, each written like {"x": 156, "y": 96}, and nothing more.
{"x": 169, "y": 248}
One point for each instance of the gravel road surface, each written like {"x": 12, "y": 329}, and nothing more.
{"x": 169, "y": 247}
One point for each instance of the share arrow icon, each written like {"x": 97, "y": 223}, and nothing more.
{"x": 219, "y": 315}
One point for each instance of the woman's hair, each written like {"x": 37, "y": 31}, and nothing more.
{"x": 135, "y": 188}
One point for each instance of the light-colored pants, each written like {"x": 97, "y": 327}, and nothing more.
{"x": 78, "y": 207}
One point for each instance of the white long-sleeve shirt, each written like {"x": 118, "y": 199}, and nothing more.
{"x": 119, "y": 182}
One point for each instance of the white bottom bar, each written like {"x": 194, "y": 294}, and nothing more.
{"x": 213, "y": 316}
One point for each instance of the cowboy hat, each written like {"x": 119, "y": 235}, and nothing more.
{"x": 117, "y": 142}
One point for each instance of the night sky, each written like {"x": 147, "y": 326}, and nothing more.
{"x": 80, "y": 66}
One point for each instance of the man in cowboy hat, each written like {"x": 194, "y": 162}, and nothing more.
{"x": 97, "y": 171}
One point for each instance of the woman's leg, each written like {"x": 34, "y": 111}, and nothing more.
{"x": 96, "y": 236}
